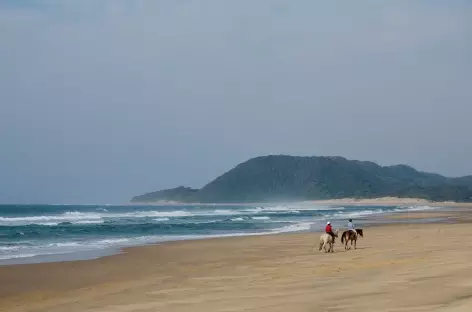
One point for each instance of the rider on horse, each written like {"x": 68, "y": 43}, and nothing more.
{"x": 329, "y": 230}
{"x": 350, "y": 226}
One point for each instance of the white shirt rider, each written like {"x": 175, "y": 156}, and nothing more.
{"x": 350, "y": 226}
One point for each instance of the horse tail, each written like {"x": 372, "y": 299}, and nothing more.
{"x": 342, "y": 239}
{"x": 321, "y": 245}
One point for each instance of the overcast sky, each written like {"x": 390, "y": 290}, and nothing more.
{"x": 101, "y": 100}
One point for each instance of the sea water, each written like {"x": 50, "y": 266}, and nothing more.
{"x": 37, "y": 233}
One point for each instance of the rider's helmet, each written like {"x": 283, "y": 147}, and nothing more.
{"x": 350, "y": 220}
{"x": 328, "y": 222}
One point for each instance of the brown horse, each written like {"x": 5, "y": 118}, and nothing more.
{"x": 351, "y": 236}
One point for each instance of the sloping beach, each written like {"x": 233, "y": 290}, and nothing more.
{"x": 408, "y": 267}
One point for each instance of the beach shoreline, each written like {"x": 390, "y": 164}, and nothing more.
{"x": 314, "y": 214}
{"x": 240, "y": 272}
{"x": 384, "y": 219}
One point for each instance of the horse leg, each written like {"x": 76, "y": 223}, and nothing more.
{"x": 355, "y": 244}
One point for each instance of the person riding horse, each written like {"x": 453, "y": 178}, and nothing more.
{"x": 350, "y": 226}
{"x": 329, "y": 230}
{"x": 351, "y": 234}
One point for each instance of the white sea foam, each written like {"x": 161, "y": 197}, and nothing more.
{"x": 248, "y": 211}
{"x": 301, "y": 207}
{"x": 237, "y": 219}
{"x": 298, "y": 227}
{"x": 66, "y": 244}
{"x": 87, "y": 217}
{"x": 421, "y": 208}
{"x": 112, "y": 241}
{"x": 102, "y": 214}
{"x": 16, "y": 256}
{"x": 260, "y": 218}
{"x": 152, "y": 213}
{"x": 88, "y": 222}
{"x": 48, "y": 223}
{"x": 222, "y": 212}
{"x": 48, "y": 220}
{"x": 161, "y": 219}
{"x": 357, "y": 214}
{"x": 8, "y": 248}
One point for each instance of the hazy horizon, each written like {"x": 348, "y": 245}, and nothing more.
{"x": 104, "y": 100}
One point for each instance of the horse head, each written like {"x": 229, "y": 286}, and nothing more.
{"x": 360, "y": 232}
{"x": 336, "y": 233}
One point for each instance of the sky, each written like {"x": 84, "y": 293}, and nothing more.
{"x": 101, "y": 100}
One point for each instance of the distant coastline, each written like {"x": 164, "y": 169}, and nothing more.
{"x": 380, "y": 201}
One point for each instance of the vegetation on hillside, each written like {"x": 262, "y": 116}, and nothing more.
{"x": 290, "y": 178}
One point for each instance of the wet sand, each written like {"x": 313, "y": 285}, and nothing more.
{"x": 408, "y": 267}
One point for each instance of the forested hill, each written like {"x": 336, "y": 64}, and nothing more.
{"x": 290, "y": 178}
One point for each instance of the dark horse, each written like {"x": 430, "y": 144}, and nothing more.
{"x": 350, "y": 236}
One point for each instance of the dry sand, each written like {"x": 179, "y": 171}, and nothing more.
{"x": 395, "y": 268}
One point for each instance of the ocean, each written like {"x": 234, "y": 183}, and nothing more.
{"x": 40, "y": 233}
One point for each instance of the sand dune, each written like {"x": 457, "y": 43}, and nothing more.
{"x": 394, "y": 201}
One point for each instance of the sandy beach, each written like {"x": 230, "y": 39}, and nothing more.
{"x": 409, "y": 267}
{"x": 386, "y": 201}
